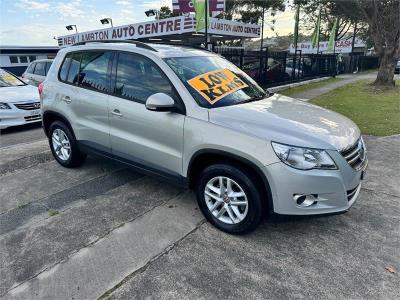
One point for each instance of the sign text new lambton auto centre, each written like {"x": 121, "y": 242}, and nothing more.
{"x": 169, "y": 26}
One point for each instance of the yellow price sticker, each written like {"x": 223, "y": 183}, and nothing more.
{"x": 215, "y": 85}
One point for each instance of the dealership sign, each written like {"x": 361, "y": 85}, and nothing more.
{"x": 159, "y": 28}
{"x": 342, "y": 46}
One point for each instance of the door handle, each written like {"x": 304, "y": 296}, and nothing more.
{"x": 116, "y": 112}
{"x": 66, "y": 99}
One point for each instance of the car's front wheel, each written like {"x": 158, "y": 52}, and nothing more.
{"x": 229, "y": 197}
{"x": 63, "y": 146}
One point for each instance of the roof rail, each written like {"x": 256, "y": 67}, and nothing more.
{"x": 137, "y": 43}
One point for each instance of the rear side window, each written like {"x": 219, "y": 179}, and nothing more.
{"x": 93, "y": 70}
{"x": 23, "y": 59}
{"x": 65, "y": 67}
{"x": 40, "y": 69}
{"x": 137, "y": 78}
{"x": 31, "y": 68}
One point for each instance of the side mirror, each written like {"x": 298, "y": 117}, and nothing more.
{"x": 160, "y": 102}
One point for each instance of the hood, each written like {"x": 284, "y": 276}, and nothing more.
{"x": 19, "y": 94}
{"x": 289, "y": 121}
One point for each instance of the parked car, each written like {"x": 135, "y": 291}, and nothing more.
{"x": 36, "y": 71}
{"x": 194, "y": 118}
{"x": 19, "y": 102}
{"x": 397, "y": 68}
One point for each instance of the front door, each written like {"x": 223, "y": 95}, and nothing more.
{"x": 149, "y": 139}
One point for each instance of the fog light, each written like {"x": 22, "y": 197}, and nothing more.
{"x": 305, "y": 200}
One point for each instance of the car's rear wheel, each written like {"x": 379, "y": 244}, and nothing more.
{"x": 229, "y": 197}
{"x": 63, "y": 146}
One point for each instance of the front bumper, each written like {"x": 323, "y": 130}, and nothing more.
{"x": 16, "y": 116}
{"x": 334, "y": 190}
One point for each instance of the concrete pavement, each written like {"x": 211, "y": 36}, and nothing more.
{"x": 106, "y": 231}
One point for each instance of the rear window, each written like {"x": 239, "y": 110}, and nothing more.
{"x": 40, "y": 69}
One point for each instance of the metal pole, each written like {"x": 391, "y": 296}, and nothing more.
{"x": 206, "y": 23}
{"x": 262, "y": 28}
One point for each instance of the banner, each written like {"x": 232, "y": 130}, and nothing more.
{"x": 187, "y": 6}
{"x": 158, "y": 28}
{"x": 341, "y": 46}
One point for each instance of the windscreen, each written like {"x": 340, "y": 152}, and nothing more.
{"x": 215, "y": 82}
{"x": 7, "y": 79}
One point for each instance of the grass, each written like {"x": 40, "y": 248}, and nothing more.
{"x": 309, "y": 86}
{"x": 375, "y": 111}
{"x": 53, "y": 212}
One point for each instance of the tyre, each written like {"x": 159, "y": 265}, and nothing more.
{"x": 64, "y": 147}
{"x": 229, "y": 197}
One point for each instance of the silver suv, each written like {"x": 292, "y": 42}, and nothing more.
{"x": 194, "y": 118}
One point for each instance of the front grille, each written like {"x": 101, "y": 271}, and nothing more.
{"x": 351, "y": 193}
{"x": 33, "y": 118}
{"x": 355, "y": 154}
{"x": 28, "y": 106}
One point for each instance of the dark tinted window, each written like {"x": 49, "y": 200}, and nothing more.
{"x": 14, "y": 59}
{"x": 31, "y": 68}
{"x": 138, "y": 78}
{"x": 23, "y": 59}
{"x": 40, "y": 68}
{"x": 65, "y": 68}
{"x": 32, "y": 58}
{"x": 93, "y": 70}
{"x": 48, "y": 65}
{"x": 74, "y": 68}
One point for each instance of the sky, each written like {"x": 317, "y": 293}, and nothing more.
{"x": 36, "y": 22}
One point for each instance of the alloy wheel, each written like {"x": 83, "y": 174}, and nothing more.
{"x": 61, "y": 144}
{"x": 226, "y": 200}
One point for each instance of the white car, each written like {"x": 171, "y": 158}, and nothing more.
{"x": 19, "y": 102}
{"x": 36, "y": 72}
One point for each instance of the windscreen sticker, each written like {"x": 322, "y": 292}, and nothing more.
{"x": 215, "y": 85}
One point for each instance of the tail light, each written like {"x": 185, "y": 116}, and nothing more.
{"x": 40, "y": 88}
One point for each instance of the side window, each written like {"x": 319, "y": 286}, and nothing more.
{"x": 65, "y": 67}
{"x": 93, "y": 70}
{"x": 74, "y": 68}
{"x": 48, "y": 65}
{"x": 138, "y": 78}
{"x": 31, "y": 68}
{"x": 32, "y": 58}
{"x": 40, "y": 69}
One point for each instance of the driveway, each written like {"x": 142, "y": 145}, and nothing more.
{"x": 106, "y": 231}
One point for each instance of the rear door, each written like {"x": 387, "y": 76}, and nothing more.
{"x": 84, "y": 96}
{"x": 152, "y": 140}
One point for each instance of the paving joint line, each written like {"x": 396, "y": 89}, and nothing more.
{"x": 142, "y": 269}
{"x": 73, "y": 186}
{"x": 376, "y": 192}
{"x": 90, "y": 244}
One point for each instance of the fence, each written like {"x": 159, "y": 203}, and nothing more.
{"x": 270, "y": 68}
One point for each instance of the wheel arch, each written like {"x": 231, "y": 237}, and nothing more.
{"x": 205, "y": 157}
{"x": 50, "y": 116}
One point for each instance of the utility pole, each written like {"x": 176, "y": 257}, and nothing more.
{"x": 262, "y": 28}
{"x": 206, "y": 23}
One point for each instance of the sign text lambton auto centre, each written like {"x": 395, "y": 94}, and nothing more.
{"x": 156, "y": 28}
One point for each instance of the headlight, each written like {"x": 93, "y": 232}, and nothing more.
{"x": 303, "y": 158}
{"x": 4, "y": 106}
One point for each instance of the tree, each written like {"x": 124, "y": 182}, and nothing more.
{"x": 377, "y": 19}
{"x": 383, "y": 21}
{"x": 250, "y": 11}
{"x": 165, "y": 12}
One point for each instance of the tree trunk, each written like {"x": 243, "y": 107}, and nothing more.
{"x": 387, "y": 65}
